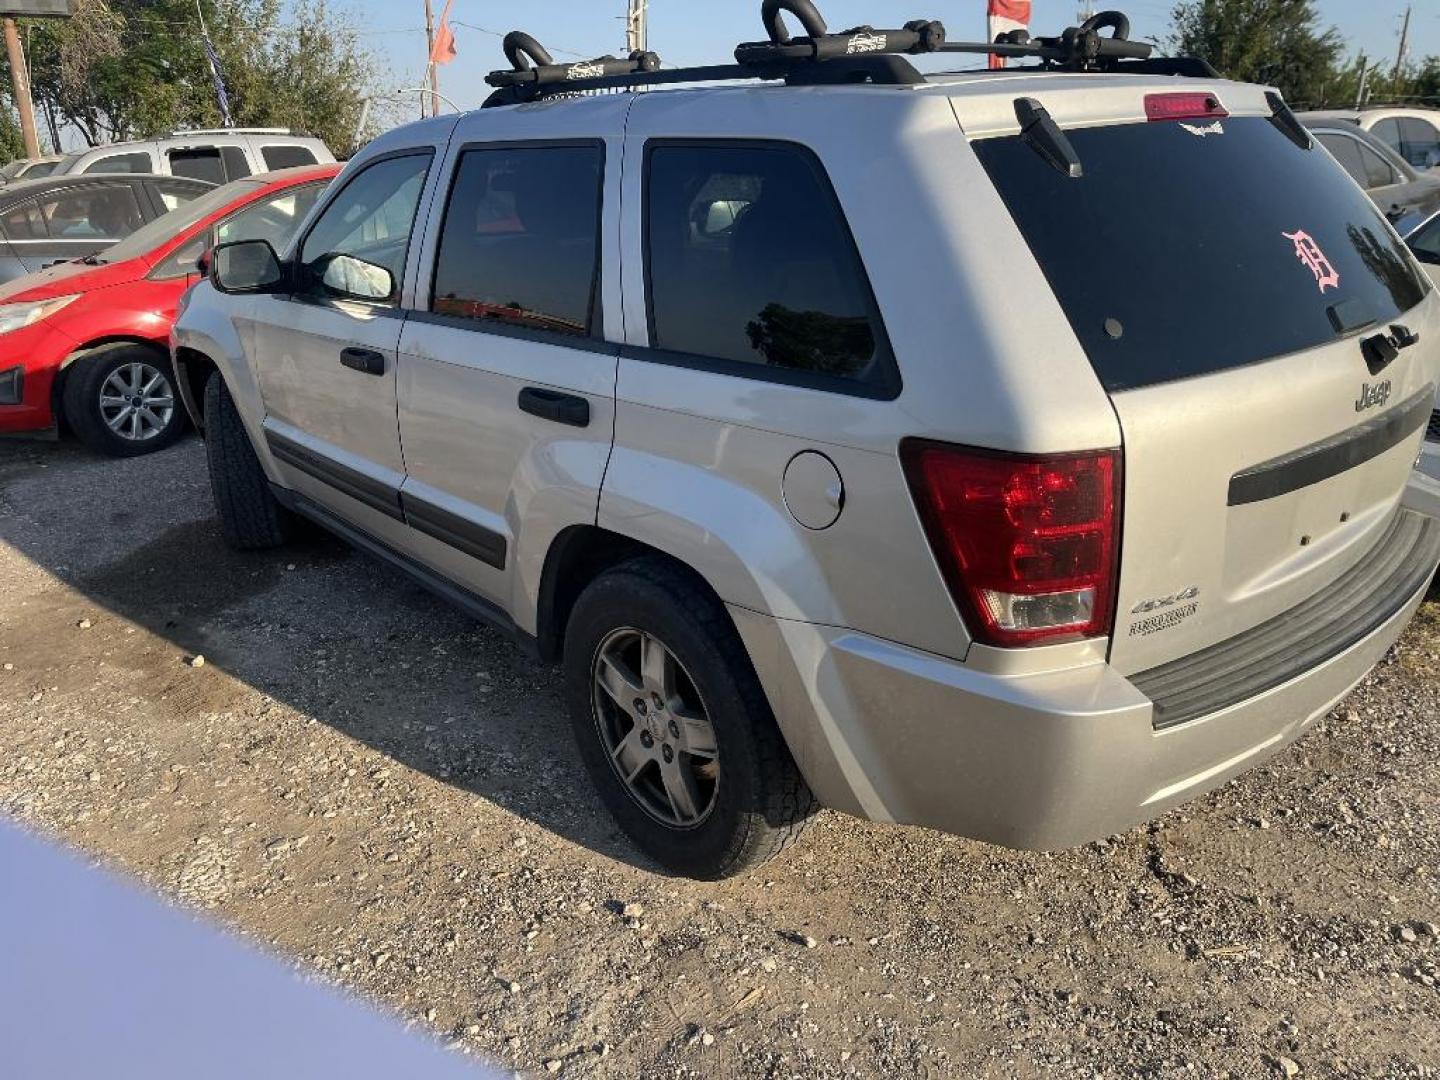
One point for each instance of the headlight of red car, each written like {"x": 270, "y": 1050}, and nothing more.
{"x": 19, "y": 316}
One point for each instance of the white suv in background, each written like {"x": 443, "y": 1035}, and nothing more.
{"x": 217, "y": 156}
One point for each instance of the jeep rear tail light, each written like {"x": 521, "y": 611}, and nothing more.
{"x": 1028, "y": 544}
{"x": 1187, "y": 106}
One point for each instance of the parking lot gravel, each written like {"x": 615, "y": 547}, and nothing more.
{"x": 315, "y": 752}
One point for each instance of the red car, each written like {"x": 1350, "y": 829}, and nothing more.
{"x": 84, "y": 344}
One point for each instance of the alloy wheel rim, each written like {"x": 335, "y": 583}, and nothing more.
{"x": 137, "y": 401}
{"x": 654, "y": 728}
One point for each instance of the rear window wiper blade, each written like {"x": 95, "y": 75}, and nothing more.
{"x": 1039, "y": 131}
{"x": 93, "y": 260}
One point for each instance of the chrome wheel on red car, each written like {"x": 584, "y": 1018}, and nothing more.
{"x": 120, "y": 400}
{"x": 137, "y": 401}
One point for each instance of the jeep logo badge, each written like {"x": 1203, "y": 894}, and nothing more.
{"x": 1372, "y": 394}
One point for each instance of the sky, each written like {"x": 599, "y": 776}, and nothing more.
{"x": 687, "y": 32}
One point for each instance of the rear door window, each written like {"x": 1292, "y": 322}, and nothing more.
{"x": 235, "y": 163}
{"x": 1224, "y": 249}
{"x": 1378, "y": 172}
{"x": 750, "y": 262}
{"x": 121, "y": 163}
{"x": 287, "y": 157}
{"x": 520, "y": 241}
{"x": 201, "y": 164}
{"x": 1419, "y": 142}
{"x": 1347, "y": 152}
{"x": 1388, "y": 132}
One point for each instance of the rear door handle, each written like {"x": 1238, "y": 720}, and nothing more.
{"x": 367, "y": 361}
{"x": 553, "y": 405}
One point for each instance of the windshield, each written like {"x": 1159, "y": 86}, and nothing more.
{"x": 148, "y": 237}
{"x": 1191, "y": 247}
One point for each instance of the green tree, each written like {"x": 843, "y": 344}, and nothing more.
{"x": 1276, "y": 42}
{"x": 121, "y": 69}
{"x": 12, "y": 145}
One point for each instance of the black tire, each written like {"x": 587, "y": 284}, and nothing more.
{"x": 104, "y": 369}
{"x": 760, "y": 802}
{"x": 251, "y": 518}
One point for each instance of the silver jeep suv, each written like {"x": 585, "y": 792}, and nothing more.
{"x": 1016, "y": 453}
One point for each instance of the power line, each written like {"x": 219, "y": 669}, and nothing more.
{"x": 500, "y": 34}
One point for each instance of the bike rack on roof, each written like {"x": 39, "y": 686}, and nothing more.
{"x": 862, "y": 54}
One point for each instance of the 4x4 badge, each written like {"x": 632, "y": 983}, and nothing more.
{"x": 1314, "y": 260}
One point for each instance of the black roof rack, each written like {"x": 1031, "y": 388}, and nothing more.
{"x": 859, "y": 55}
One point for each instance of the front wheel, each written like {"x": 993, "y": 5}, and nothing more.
{"x": 120, "y": 400}
{"x": 674, "y": 727}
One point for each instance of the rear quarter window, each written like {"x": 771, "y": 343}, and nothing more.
{"x": 1178, "y": 254}
{"x": 750, "y": 263}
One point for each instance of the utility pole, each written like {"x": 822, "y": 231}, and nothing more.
{"x": 20, "y": 83}
{"x": 1087, "y": 11}
{"x": 434, "y": 79}
{"x": 1364, "y": 78}
{"x": 636, "y": 35}
{"x": 1404, "y": 40}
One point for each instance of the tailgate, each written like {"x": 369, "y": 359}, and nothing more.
{"x": 1268, "y": 345}
{"x": 1248, "y": 491}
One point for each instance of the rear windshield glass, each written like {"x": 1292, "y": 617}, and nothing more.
{"x": 1191, "y": 247}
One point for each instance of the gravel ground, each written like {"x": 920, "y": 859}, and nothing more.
{"x": 368, "y": 783}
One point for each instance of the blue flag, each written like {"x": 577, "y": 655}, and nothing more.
{"x": 220, "y": 95}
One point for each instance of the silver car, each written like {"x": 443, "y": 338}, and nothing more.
{"x": 1403, "y": 195}
{"x": 854, "y": 438}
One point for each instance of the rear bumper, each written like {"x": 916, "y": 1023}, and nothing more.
{"x": 1039, "y": 761}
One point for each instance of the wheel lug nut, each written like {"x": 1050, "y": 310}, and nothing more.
{"x": 657, "y": 702}
{"x": 640, "y": 706}
{"x": 674, "y": 729}
{"x": 669, "y": 754}
{"x": 646, "y": 740}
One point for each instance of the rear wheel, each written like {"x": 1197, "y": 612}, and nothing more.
{"x": 251, "y": 517}
{"x": 674, "y": 727}
{"x": 120, "y": 400}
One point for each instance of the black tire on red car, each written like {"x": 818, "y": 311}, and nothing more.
{"x": 251, "y": 518}
{"x": 120, "y": 400}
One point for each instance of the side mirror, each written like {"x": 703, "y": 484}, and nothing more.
{"x": 347, "y": 278}
{"x": 246, "y": 266}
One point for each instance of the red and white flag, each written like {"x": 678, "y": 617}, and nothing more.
{"x": 443, "y": 50}
{"x": 1004, "y": 16}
